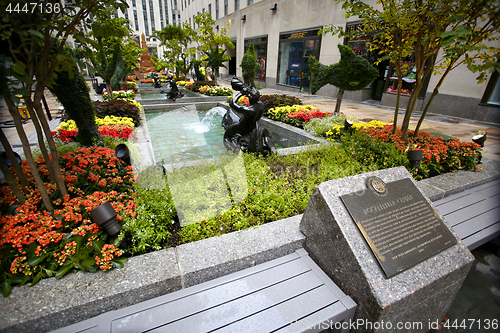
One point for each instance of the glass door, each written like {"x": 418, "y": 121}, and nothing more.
{"x": 305, "y": 76}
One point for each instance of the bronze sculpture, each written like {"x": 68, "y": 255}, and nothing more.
{"x": 243, "y": 132}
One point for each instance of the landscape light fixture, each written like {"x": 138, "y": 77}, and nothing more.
{"x": 244, "y": 17}
{"x": 348, "y": 123}
{"x": 274, "y": 6}
{"x": 414, "y": 156}
{"x": 123, "y": 153}
{"x": 105, "y": 217}
{"x": 4, "y": 157}
{"x": 479, "y": 138}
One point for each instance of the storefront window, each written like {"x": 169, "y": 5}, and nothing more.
{"x": 492, "y": 94}
{"x": 260, "y": 48}
{"x": 291, "y": 63}
{"x": 294, "y": 52}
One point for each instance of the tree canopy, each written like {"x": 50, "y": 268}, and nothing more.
{"x": 423, "y": 29}
{"x": 352, "y": 72}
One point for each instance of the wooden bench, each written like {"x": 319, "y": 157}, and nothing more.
{"x": 288, "y": 294}
{"x": 474, "y": 214}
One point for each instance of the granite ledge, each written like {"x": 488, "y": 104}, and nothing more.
{"x": 56, "y": 303}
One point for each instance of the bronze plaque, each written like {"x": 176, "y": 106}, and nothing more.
{"x": 398, "y": 223}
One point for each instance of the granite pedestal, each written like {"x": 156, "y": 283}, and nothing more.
{"x": 414, "y": 300}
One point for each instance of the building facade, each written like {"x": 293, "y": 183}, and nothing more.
{"x": 285, "y": 35}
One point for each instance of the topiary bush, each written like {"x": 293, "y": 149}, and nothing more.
{"x": 119, "y": 108}
{"x": 249, "y": 66}
{"x": 275, "y": 100}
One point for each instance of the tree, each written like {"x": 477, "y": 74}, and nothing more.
{"x": 249, "y": 66}
{"x": 105, "y": 51}
{"x": 32, "y": 45}
{"x": 159, "y": 64}
{"x": 72, "y": 91}
{"x": 419, "y": 27}
{"x": 351, "y": 73}
{"x": 176, "y": 40}
{"x": 469, "y": 41}
{"x": 210, "y": 43}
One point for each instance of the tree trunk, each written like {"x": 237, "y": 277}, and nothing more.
{"x": 434, "y": 93}
{"x": 50, "y": 140}
{"x": 41, "y": 142}
{"x": 339, "y": 101}
{"x": 27, "y": 152}
{"x": 10, "y": 155}
{"x": 398, "y": 97}
{"x": 11, "y": 181}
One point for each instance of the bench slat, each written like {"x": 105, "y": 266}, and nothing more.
{"x": 280, "y": 317}
{"x": 477, "y": 223}
{"x": 482, "y": 237}
{"x": 174, "y": 309}
{"x": 271, "y": 295}
{"x": 224, "y": 312}
{"x": 476, "y": 209}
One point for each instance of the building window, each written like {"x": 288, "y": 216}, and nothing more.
{"x": 216, "y": 9}
{"x": 260, "y": 48}
{"x": 293, "y": 58}
{"x": 145, "y": 14}
{"x": 236, "y": 5}
{"x": 166, "y": 11}
{"x": 249, "y": 2}
{"x": 152, "y": 15}
{"x": 226, "y": 8}
{"x": 492, "y": 94}
{"x": 210, "y": 9}
{"x": 136, "y": 21}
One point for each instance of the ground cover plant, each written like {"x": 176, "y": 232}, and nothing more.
{"x": 276, "y": 187}
{"x": 215, "y": 91}
{"x": 36, "y": 243}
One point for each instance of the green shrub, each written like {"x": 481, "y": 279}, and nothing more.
{"x": 278, "y": 187}
{"x": 154, "y": 224}
{"x": 62, "y": 148}
{"x": 319, "y": 126}
{"x": 119, "y": 108}
{"x": 368, "y": 151}
{"x": 275, "y": 100}
{"x": 249, "y": 66}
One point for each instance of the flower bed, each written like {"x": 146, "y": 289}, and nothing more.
{"x": 296, "y": 115}
{"x": 215, "y": 91}
{"x": 438, "y": 156}
{"x": 36, "y": 244}
{"x": 128, "y": 94}
{"x": 119, "y": 108}
{"x": 115, "y": 127}
{"x": 147, "y": 80}
{"x": 275, "y": 100}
